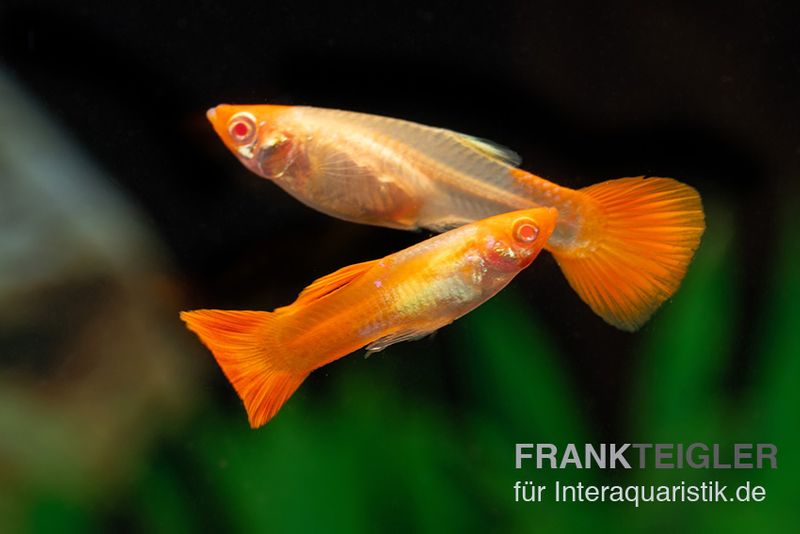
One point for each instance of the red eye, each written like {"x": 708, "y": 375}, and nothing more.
{"x": 525, "y": 231}
{"x": 242, "y": 127}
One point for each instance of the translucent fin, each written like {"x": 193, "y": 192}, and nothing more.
{"x": 326, "y": 285}
{"x": 244, "y": 345}
{"x": 443, "y": 225}
{"x": 491, "y": 149}
{"x": 638, "y": 249}
{"x": 397, "y": 337}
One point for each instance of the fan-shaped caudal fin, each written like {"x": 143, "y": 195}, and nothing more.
{"x": 636, "y": 249}
{"x": 243, "y": 343}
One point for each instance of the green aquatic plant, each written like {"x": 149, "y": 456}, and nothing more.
{"x": 411, "y": 442}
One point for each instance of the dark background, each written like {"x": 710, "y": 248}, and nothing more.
{"x": 584, "y": 92}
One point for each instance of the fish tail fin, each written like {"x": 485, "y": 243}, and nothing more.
{"x": 245, "y": 347}
{"x": 637, "y": 243}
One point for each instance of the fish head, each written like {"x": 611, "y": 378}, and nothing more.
{"x": 511, "y": 241}
{"x": 258, "y": 135}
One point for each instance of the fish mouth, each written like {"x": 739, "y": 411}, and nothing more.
{"x": 217, "y": 119}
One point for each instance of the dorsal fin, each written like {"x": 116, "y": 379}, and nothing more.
{"x": 490, "y": 149}
{"x": 329, "y": 283}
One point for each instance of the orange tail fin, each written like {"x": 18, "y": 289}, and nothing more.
{"x": 243, "y": 343}
{"x": 637, "y": 247}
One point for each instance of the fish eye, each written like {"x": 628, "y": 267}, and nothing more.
{"x": 242, "y": 127}
{"x": 525, "y": 231}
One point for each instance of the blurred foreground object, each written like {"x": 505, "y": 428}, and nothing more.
{"x": 89, "y": 358}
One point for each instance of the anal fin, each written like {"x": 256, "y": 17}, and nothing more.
{"x": 397, "y": 337}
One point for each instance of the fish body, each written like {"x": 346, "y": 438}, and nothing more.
{"x": 624, "y": 244}
{"x": 384, "y": 171}
{"x": 403, "y": 296}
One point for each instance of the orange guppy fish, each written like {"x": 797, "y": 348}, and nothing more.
{"x": 404, "y": 296}
{"x": 624, "y": 245}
